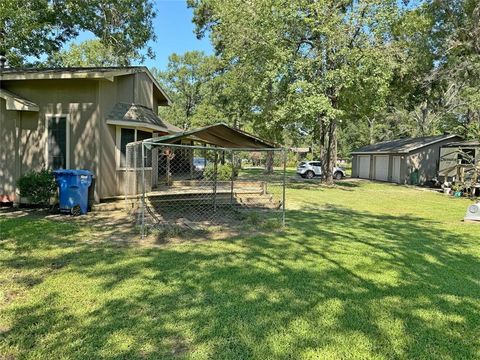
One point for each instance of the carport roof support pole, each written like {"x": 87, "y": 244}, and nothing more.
{"x": 143, "y": 190}
{"x": 215, "y": 168}
{"x": 284, "y": 181}
{"x": 233, "y": 177}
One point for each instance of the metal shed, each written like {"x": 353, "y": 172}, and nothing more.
{"x": 402, "y": 161}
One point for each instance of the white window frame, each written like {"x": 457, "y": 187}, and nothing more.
{"x": 118, "y": 139}
{"x": 49, "y": 117}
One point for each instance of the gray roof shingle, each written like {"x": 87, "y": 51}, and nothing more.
{"x": 402, "y": 146}
{"x": 135, "y": 113}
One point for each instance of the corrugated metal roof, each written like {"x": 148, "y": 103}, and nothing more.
{"x": 135, "y": 114}
{"x": 220, "y": 135}
{"x": 402, "y": 146}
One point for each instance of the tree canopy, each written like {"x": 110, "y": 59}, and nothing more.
{"x": 30, "y": 30}
{"x": 331, "y": 74}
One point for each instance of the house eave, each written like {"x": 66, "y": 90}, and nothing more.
{"x": 138, "y": 124}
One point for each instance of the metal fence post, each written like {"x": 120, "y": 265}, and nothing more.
{"x": 284, "y": 181}
{"x": 126, "y": 181}
{"x": 215, "y": 168}
{"x": 232, "y": 179}
{"x": 143, "y": 190}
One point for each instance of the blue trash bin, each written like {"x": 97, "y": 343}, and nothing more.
{"x": 73, "y": 190}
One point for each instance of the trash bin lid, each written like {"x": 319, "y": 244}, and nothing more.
{"x": 72, "y": 172}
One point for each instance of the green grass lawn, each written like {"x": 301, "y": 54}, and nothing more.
{"x": 363, "y": 271}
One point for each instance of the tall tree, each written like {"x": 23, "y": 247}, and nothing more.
{"x": 87, "y": 53}
{"x": 35, "y": 28}
{"x": 304, "y": 58}
{"x": 187, "y": 79}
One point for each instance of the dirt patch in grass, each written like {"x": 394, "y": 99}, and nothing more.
{"x": 119, "y": 228}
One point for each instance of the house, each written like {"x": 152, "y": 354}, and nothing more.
{"x": 456, "y": 155}
{"x": 402, "y": 161}
{"x": 76, "y": 118}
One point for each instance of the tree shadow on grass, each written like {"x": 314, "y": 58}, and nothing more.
{"x": 338, "y": 283}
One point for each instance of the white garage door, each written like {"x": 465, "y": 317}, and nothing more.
{"x": 381, "y": 167}
{"x": 396, "y": 169}
{"x": 364, "y": 167}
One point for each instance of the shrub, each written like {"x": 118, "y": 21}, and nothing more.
{"x": 224, "y": 172}
{"x": 38, "y": 186}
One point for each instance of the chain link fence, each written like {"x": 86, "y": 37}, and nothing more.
{"x": 201, "y": 186}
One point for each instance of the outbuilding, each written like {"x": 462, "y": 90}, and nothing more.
{"x": 403, "y": 161}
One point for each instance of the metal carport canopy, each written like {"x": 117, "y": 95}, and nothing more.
{"x": 220, "y": 135}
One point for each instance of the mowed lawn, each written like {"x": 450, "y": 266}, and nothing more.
{"x": 363, "y": 270}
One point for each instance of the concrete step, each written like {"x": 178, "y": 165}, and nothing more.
{"x": 114, "y": 205}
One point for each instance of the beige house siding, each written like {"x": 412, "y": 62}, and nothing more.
{"x": 75, "y": 99}
{"x": 86, "y": 103}
{"x": 125, "y": 87}
{"x": 144, "y": 91}
{"x": 8, "y": 149}
{"x": 109, "y": 94}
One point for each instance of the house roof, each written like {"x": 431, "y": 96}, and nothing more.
{"x": 16, "y": 102}
{"x": 402, "y": 146}
{"x": 220, "y": 135}
{"x": 108, "y": 73}
{"x": 139, "y": 115}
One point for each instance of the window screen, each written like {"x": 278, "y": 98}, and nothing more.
{"x": 142, "y": 135}
{"x": 127, "y": 136}
{"x": 57, "y": 142}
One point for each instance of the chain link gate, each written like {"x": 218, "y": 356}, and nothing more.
{"x": 200, "y": 186}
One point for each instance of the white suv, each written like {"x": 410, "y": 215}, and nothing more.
{"x": 309, "y": 169}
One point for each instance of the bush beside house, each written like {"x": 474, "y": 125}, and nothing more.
{"x": 37, "y": 187}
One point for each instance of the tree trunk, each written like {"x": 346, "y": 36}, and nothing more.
{"x": 321, "y": 144}
{"x": 269, "y": 163}
{"x": 331, "y": 153}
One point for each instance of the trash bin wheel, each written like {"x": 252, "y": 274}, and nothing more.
{"x": 76, "y": 210}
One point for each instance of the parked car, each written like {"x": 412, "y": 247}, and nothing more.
{"x": 310, "y": 169}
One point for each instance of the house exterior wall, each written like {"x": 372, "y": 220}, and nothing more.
{"x": 135, "y": 88}
{"x": 86, "y": 103}
{"x": 8, "y": 150}
{"x": 143, "y": 90}
{"x": 75, "y": 99}
{"x": 125, "y": 87}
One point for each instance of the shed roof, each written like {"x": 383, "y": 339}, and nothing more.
{"x": 108, "y": 73}
{"x": 139, "y": 115}
{"x": 471, "y": 143}
{"x": 402, "y": 146}
{"x": 220, "y": 135}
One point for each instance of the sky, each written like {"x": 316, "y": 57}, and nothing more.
{"x": 175, "y": 33}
